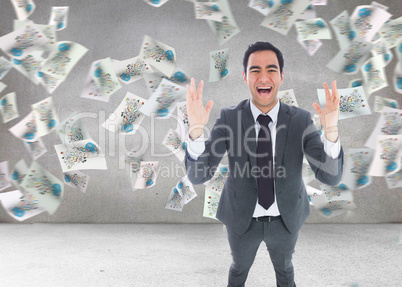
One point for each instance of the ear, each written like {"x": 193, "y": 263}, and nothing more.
{"x": 245, "y": 78}
{"x": 282, "y": 75}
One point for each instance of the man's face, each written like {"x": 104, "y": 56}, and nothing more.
{"x": 263, "y": 79}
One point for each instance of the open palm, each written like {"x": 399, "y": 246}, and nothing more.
{"x": 330, "y": 113}
{"x": 198, "y": 115}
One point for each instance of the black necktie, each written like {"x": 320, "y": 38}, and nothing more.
{"x": 265, "y": 165}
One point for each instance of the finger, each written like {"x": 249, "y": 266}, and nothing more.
{"x": 335, "y": 93}
{"x": 327, "y": 92}
{"x": 192, "y": 90}
{"x": 317, "y": 108}
{"x": 188, "y": 94}
{"x": 200, "y": 89}
{"x": 209, "y": 106}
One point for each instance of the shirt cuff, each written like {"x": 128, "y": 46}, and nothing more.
{"x": 195, "y": 147}
{"x": 332, "y": 149}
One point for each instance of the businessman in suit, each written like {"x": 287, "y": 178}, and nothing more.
{"x": 264, "y": 197}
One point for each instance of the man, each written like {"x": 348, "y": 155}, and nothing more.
{"x": 264, "y": 197}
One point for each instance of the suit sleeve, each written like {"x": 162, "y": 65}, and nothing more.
{"x": 328, "y": 170}
{"x": 204, "y": 168}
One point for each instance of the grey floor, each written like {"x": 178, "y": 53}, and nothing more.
{"x": 190, "y": 255}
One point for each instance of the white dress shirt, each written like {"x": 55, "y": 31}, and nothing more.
{"x": 197, "y": 147}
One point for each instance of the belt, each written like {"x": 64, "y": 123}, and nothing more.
{"x": 267, "y": 218}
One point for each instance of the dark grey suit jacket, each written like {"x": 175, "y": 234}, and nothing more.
{"x": 296, "y": 136}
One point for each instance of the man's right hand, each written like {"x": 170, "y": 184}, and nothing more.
{"x": 197, "y": 115}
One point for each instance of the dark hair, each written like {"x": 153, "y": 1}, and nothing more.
{"x": 262, "y": 46}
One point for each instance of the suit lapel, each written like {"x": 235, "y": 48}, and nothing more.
{"x": 249, "y": 133}
{"x": 281, "y": 133}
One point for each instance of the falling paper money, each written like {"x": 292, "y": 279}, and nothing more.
{"x": 349, "y": 60}
{"x": 23, "y": 8}
{"x": 58, "y": 17}
{"x": 311, "y": 46}
{"x": 389, "y": 123}
{"x": 30, "y": 66}
{"x": 380, "y": 49}
{"x": 44, "y": 186}
{"x": 18, "y": 173}
{"x": 36, "y": 148}
{"x": 308, "y": 13}
{"x": 49, "y": 82}
{"x": 380, "y": 103}
{"x": 367, "y": 20}
{"x": 183, "y": 123}
{"x": 387, "y": 156}
{"x": 48, "y": 30}
{"x": 284, "y": 13}
{"x": 163, "y": 102}
{"x": 288, "y": 97}
{"x": 174, "y": 143}
{"x": 394, "y": 180}
{"x": 340, "y": 202}
{"x": 147, "y": 175}
{"x": 207, "y": 11}
{"x": 264, "y": 6}
{"x": 355, "y": 175}
{"x": 8, "y": 107}
{"x": 77, "y": 180}
{"x": 216, "y": 183}
{"x": 23, "y": 41}
{"x": 127, "y": 117}
{"x": 226, "y": 28}
{"x": 4, "y": 177}
{"x": 130, "y": 70}
{"x": 133, "y": 163}
{"x": 159, "y": 55}
{"x": 373, "y": 74}
{"x": 175, "y": 200}
{"x": 219, "y": 65}
{"x": 20, "y": 206}
{"x": 26, "y": 129}
{"x": 343, "y": 29}
{"x": 5, "y": 67}
{"x": 391, "y": 32}
{"x": 46, "y": 118}
{"x": 60, "y": 63}
{"x": 101, "y": 82}
{"x": 313, "y": 29}
{"x": 85, "y": 154}
{"x": 211, "y": 203}
{"x": 153, "y": 80}
{"x": 72, "y": 128}
{"x": 353, "y": 102}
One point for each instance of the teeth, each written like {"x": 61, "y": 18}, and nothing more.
{"x": 264, "y": 88}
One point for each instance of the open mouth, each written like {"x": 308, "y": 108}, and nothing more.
{"x": 264, "y": 90}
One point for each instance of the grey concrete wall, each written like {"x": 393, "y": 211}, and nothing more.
{"x": 115, "y": 29}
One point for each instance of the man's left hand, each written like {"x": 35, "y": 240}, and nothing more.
{"x": 330, "y": 113}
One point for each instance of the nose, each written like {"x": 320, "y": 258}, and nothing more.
{"x": 264, "y": 77}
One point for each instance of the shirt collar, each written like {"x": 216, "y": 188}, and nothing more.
{"x": 273, "y": 113}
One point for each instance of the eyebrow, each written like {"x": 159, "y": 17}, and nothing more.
{"x": 267, "y": 67}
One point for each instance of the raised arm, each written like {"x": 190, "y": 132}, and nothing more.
{"x": 198, "y": 116}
